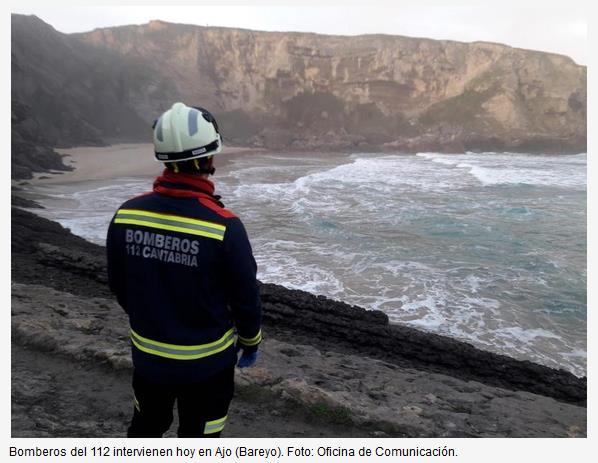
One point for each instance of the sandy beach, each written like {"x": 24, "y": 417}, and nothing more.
{"x": 121, "y": 160}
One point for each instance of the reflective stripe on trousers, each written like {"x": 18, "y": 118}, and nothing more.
{"x": 179, "y": 352}
{"x": 214, "y": 426}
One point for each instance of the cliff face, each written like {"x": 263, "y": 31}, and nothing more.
{"x": 76, "y": 92}
{"x": 305, "y": 90}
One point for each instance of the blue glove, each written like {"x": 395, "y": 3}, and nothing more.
{"x": 247, "y": 360}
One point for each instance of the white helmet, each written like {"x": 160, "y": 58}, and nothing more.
{"x": 184, "y": 133}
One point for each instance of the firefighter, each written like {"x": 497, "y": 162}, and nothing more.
{"x": 182, "y": 268}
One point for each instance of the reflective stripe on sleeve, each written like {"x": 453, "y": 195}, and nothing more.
{"x": 214, "y": 426}
{"x": 173, "y": 351}
{"x": 252, "y": 341}
{"x": 170, "y": 222}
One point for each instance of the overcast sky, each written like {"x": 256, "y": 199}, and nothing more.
{"x": 554, "y": 26}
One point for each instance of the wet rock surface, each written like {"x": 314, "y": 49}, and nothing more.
{"x": 326, "y": 369}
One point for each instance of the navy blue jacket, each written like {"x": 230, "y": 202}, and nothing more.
{"x": 181, "y": 266}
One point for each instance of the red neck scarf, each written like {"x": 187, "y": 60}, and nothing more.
{"x": 193, "y": 185}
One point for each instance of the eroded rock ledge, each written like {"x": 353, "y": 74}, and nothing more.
{"x": 376, "y": 396}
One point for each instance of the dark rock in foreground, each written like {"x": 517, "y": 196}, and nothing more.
{"x": 369, "y": 333}
{"x": 19, "y": 201}
{"x": 45, "y": 253}
{"x": 30, "y": 150}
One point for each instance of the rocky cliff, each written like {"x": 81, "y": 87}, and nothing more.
{"x": 76, "y": 92}
{"x": 303, "y": 91}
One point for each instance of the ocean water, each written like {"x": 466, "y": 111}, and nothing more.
{"x": 488, "y": 248}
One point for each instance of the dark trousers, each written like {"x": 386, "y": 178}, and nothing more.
{"x": 202, "y": 406}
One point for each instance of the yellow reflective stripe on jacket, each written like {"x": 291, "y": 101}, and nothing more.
{"x": 214, "y": 426}
{"x": 252, "y": 341}
{"x": 170, "y": 222}
{"x": 173, "y": 351}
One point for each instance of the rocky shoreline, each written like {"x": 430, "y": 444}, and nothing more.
{"x": 334, "y": 366}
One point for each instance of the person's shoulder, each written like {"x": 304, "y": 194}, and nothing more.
{"x": 218, "y": 214}
{"x": 220, "y": 211}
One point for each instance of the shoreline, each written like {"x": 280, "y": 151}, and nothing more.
{"x": 401, "y": 381}
{"x": 59, "y": 188}
{"x": 516, "y": 356}
{"x": 119, "y": 160}
{"x": 108, "y": 162}
{"x": 308, "y": 315}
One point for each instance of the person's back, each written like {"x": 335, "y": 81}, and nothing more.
{"x": 182, "y": 268}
